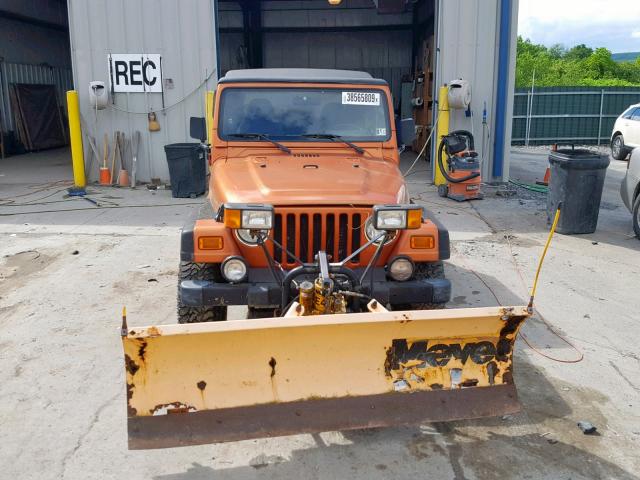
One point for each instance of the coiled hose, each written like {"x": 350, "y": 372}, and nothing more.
{"x": 444, "y": 171}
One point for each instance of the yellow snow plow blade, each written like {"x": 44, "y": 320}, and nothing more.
{"x": 214, "y": 382}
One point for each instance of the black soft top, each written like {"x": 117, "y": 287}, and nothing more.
{"x": 300, "y": 75}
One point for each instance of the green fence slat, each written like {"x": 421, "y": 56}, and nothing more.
{"x": 576, "y": 110}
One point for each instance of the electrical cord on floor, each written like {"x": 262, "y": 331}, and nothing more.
{"x": 50, "y": 202}
{"x": 424, "y": 147}
{"x": 9, "y": 201}
{"x": 103, "y": 207}
{"x": 424, "y": 170}
{"x": 540, "y": 316}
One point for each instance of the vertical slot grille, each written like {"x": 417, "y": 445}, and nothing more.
{"x": 277, "y": 236}
{"x": 304, "y": 238}
{"x": 330, "y": 236}
{"x": 291, "y": 237}
{"x": 343, "y": 231}
{"x": 317, "y": 234}
{"x": 356, "y": 232}
{"x": 305, "y": 234}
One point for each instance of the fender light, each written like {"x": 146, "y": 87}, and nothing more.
{"x": 397, "y": 217}
{"x": 422, "y": 241}
{"x": 210, "y": 243}
{"x": 249, "y": 217}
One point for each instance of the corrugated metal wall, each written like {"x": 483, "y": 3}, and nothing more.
{"x": 182, "y": 31}
{"x": 385, "y": 55}
{"x": 350, "y": 40}
{"x": 569, "y": 114}
{"x": 468, "y": 31}
{"x": 25, "y": 73}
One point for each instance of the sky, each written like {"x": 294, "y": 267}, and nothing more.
{"x": 613, "y": 24}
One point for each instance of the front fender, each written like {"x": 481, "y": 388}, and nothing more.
{"x": 431, "y": 227}
{"x": 189, "y": 250}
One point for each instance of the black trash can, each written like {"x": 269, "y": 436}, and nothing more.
{"x": 187, "y": 169}
{"x": 577, "y": 180}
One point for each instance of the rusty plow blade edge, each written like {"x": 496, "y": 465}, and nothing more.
{"x": 226, "y": 381}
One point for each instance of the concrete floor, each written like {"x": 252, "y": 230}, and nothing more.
{"x": 67, "y": 267}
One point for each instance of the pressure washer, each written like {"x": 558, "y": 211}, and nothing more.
{"x": 462, "y": 171}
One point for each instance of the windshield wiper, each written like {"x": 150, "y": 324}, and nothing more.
{"x": 334, "y": 138}
{"x": 261, "y": 136}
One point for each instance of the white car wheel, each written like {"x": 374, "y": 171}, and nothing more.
{"x": 618, "y": 150}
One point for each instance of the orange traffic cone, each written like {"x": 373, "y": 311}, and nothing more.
{"x": 547, "y": 178}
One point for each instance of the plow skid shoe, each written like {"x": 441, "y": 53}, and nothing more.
{"x": 216, "y": 382}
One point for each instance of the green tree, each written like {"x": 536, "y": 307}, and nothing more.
{"x": 600, "y": 64}
{"x": 577, "y": 66}
{"x": 579, "y": 52}
{"x": 557, "y": 51}
{"x": 526, "y": 46}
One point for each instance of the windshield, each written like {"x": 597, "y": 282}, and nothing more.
{"x": 304, "y": 114}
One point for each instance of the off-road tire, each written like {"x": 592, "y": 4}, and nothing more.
{"x": 618, "y": 150}
{"x": 199, "y": 271}
{"x": 424, "y": 270}
{"x": 636, "y": 216}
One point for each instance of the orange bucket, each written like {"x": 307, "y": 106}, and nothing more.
{"x": 105, "y": 176}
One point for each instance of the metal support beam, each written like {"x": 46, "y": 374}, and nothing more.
{"x": 359, "y": 28}
{"x": 252, "y": 30}
{"x": 33, "y": 21}
{"x": 503, "y": 87}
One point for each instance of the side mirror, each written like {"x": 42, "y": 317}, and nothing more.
{"x": 407, "y": 131}
{"x": 198, "y": 128}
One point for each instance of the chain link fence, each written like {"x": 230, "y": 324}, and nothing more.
{"x": 581, "y": 115}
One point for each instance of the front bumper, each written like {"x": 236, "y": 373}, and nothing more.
{"x": 197, "y": 293}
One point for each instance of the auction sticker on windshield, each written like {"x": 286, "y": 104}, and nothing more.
{"x": 360, "y": 98}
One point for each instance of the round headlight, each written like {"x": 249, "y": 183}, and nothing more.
{"x": 371, "y": 232}
{"x": 401, "y": 269}
{"x": 250, "y": 237}
{"x": 234, "y": 269}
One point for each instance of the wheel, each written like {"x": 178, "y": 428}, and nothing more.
{"x": 443, "y": 190}
{"x": 618, "y": 150}
{"x": 636, "y": 216}
{"x": 260, "y": 312}
{"x": 424, "y": 270}
{"x": 199, "y": 271}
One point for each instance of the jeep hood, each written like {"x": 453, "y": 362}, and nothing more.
{"x": 307, "y": 180}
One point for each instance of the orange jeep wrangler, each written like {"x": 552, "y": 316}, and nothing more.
{"x": 309, "y": 204}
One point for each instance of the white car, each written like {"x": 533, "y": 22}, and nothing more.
{"x": 626, "y": 133}
{"x": 630, "y": 189}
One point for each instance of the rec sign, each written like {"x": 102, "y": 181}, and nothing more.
{"x": 132, "y": 72}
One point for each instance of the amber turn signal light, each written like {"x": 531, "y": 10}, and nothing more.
{"x": 210, "y": 243}
{"x": 426, "y": 241}
{"x": 232, "y": 218}
{"x": 414, "y": 219}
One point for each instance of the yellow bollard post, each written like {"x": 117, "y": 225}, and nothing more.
{"x": 443, "y": 129}
{"x": 209, "y": 97}
{"x": 75, "y": 133}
